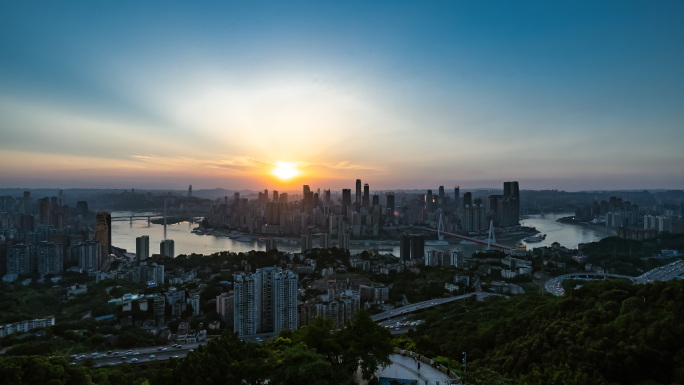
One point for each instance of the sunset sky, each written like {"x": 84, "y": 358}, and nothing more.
{"x": 401, "y": 94}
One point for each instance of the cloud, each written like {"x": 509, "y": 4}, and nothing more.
{"x": 251, "y": 165}
{"x": 240, "y": 164}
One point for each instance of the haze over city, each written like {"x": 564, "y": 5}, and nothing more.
{"x": 573, "y": 95}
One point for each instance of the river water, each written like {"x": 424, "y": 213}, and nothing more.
{"x": 186, "y": 242}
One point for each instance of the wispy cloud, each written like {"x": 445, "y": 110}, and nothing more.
{"x": 251, "y": 164}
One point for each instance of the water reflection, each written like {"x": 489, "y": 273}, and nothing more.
{"x": 124, "y": 234}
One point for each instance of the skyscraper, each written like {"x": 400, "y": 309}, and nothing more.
{"x": 306, "y": 243}
{"x": 358, "y": 191}
{"x": 225, "y": 308}
{"x": 49, "y": 258}
{"x": 44, "y": 212}
{"x": 457, "y": 197}
{"x": 275, "y": 196}
{"x": 441, "y": 196}
{"x": 167, "y": 248}
{"x": 428, "y": 200}
{"x": 28, "y": 203}
{"x": 366, "y": 196}
{"x": 346, "y": 200}
{"x": 390, "y": 206}
{"x": 265, "y": 301}
{"x": 190, "y": 191}
{"x": 88, "y": 254}
{"x": 417, "y": 246}
{"x": 142, "y": 248}
{"x": 467, "y": 199}
{"x": 405, "y": 248}
{"x": 103, "y": 230}
{"x": 20, "y": 259}
{"x": 325, "y": 240}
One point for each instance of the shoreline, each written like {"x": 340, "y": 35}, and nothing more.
{"x": 609, "y": 232}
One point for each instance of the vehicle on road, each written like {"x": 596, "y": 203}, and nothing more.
{"x": 152, "y": 356}
{"x": 134, "y": 360}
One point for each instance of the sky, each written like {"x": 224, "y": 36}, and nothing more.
{"x": 568, "y": 95}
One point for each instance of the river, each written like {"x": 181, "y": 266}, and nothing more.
{"x": 186, "y": 242}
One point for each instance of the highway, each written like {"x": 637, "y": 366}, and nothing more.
{"x": 427, "y": 304}
{"x": 663, "y": 273}
{"x": 143, "y": 355}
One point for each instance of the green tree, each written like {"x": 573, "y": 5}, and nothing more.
{"x": 226, "y": 360}
{"x": 300, "y": 365}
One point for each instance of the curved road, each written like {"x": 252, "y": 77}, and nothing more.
{"x": 662, "y": 273}
{"x": 427, "y": 304}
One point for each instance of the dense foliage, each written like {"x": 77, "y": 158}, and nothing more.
{"x": 314, "y": 354}
{"x": 603, "y": 332}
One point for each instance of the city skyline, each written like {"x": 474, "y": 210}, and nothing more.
{"x": 573, "y": 96}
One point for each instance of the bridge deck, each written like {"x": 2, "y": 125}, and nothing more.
{"x": 474, "y": 240}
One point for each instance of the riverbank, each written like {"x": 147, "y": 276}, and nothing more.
{"x": 171, "y": 220}
{"x": 570, "y": 221}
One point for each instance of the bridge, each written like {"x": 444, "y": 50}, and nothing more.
{"x": 427, "y": 304}
{"x": 474, "y": 240}
{"x": 137, "y": 217}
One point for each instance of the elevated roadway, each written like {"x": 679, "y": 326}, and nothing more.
{"x": 426, "y": 305}
{"x": 663, "y": 273}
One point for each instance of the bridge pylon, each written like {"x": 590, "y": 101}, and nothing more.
{"x": 440, "y": 227}
{"x": 490, "y": 238}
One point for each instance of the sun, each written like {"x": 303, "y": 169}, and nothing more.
{"x": 285, "y": 170}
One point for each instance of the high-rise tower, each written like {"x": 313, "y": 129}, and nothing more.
{"x": 103, "y": 230}
{"x": 358, "y": 191}
{"x": 457, "y": 197}
{"x": 346, "y": 200}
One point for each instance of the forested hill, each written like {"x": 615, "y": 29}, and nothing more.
{"x": 603, "y": 332}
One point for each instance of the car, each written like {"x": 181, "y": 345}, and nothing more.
{"x": 116, "y": 352}
{"x": 134, "y": 360}
{"x": 191, "y": 350}
{"x": 396, "y": 329}
{"x": 123, "y": 358}
{"x": 165, "y": 349}
{"x": 160, "y": 348}
{"x": 93, "y": 354}
{"x": 109, "y": 352}
{"x": 175, "y": 356}
{"x": 73, "y": 363}
{"x": 152, "y": 356}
